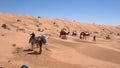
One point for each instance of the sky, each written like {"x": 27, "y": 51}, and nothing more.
{"x": 105, "y": 12}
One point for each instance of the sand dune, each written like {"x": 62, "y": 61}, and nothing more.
{"x": 57, "y": 53}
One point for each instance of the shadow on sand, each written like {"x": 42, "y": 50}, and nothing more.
{"x": 27, "y": 50}
{"x": 34, "y": 53}
{"x": 31, "y": 52}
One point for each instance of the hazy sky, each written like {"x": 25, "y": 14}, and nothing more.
{"x": 93, "y": 11}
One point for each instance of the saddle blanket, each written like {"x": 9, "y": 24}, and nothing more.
{"x": 42, "y": 38}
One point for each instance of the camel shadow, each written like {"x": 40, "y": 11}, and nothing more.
{"x": 31, "y": 52}
{"x": 34, "y": 53}
{"x": 27, "y": 50}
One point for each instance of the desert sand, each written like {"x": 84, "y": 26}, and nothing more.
{"x": 57, "y": 53}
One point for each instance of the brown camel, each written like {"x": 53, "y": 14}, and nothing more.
{"x": 83, "y": 35}
{"x": 38, "y": 41}
{"x": 63, "y": 34}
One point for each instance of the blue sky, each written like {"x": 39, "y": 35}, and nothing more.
{"x": 92, "y": 11}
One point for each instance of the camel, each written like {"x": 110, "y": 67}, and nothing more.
{"x": 83, "y": 35}
{"x": 38, "y": 41}
{"x": 74, "y": 33}
{"x": 63, "y": 34}
{"x": 108, "y": 37}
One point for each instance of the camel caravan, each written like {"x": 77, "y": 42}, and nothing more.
{"x": 41, "y": 39}
{"x": 64, "y": 33}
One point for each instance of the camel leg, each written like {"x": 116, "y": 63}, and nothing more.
{"x": 80, "y": 37}
{"x": 40, "y": 48}
{"x": 85, "y": 37}
{"x": 32, "y": 45}
{"x": 37, "y": 45}
{"x": 65, "y": 37}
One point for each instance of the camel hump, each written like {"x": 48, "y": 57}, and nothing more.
{"x": 42, "y": 38}
{"x": 82, "y": 33}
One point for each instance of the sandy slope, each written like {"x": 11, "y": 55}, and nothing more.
{"x": 58, "y": 53}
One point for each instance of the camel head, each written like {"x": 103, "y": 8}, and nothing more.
{"x": 68, "y": 33}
